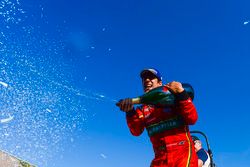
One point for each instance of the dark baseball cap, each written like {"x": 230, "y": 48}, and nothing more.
{"x": 153, "y": 71}
{"x": 194, "y": 138}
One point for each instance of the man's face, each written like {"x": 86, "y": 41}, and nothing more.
{"x": 149, "y": 81}
{"x": 197, "y": 145}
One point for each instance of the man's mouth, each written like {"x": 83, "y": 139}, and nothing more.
{"x": 147, "y": 87}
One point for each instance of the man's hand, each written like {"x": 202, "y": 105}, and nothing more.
{"x": 125, "y": 105}
{"x": 175, "y": 87}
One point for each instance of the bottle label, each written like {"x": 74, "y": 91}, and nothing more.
{"x": 164, "y": 125}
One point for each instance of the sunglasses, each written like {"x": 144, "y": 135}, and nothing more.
{"x": 148, "y": 76}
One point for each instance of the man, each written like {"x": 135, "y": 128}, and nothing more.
{"x": 203, "y": 156}
{"x": 167, "y": 126}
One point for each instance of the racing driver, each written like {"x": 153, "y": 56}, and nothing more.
{"x": 168, "y": 126}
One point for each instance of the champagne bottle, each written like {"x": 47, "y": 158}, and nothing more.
{"x": 161, "y": 96}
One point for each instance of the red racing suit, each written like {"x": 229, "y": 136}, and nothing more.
{"x": 168, "y": 130}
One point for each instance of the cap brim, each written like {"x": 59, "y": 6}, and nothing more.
{"x": 144, "y": 72}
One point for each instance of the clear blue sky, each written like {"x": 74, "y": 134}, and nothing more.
{"x": 64, "y": 63}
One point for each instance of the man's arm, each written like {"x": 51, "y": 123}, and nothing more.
{"x": 134, "y": 117}
{"x": 200, "y": 163}
{"x": 202, "y": 157}
{"x": 185, "y": 105}
{"x": 135, "y": 121}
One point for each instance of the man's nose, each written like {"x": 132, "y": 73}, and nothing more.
{"x": 146, "y": 79}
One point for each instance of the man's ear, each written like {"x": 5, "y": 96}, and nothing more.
{"x": 160, "y": 82}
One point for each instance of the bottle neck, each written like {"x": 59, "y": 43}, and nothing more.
{"x": 136, "y": 100}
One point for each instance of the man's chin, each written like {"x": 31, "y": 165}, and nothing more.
{"x": 147, "y": 90}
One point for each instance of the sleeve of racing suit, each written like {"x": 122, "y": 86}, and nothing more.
{"x": 186, "y": 108}
{"x": 135, "y": 121}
